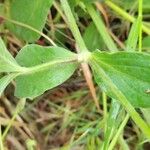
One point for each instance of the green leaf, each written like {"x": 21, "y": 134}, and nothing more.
{"x": 146, "y": 6}
{"x": 133, "y": 36}
{"x": 2, "y": 9}
{"x": 92, "y": 38}
{"x": 128, "y": 71}
{"x": 7, "y": 62}
{"x": 146, "y": 43}
{"x": 73, "y": 3}
{"x": 4, "y": 81}
{"x": 101, "y": 28}
{"x": 32, "y": 13}
{"x": 48, "y": 67}
{"x": 91, "y": 1}
{"x": 146, "y": 112}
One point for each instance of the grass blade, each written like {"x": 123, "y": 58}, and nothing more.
{"x": 101, "y": 28}
{"x": 133, "y": 36}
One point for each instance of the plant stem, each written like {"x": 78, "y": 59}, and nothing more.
{"x": 125, "y": 15}
{"x": 119, "y": 11}
{"x": 140, "y": 27}
{"x": 123, "y": 100}
{"x": 124, "y": 145}
{"x": 19, "y": 108}
{"x": 1, "y": 141}
{"x": 105, "y": 109}
{"x": 113, "y": 142}
{"x": 8, "y": 126}
{"x": 101, "y": 28}
{"x": 31, "y": 28}
{"x": 81, "y": 48}
{"x": 73, "y": 26}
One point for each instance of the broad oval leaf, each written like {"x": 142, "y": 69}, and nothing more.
{"x": 128, "y": 71}
{"x": 29, "y": 12}
{"x": 48, "y": 67}
{"x": 7, "y": 62}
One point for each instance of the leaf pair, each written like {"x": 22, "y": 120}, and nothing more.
{"x": 43, "y": 68}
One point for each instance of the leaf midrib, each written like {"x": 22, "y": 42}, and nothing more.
{"x": 47, "y": 65}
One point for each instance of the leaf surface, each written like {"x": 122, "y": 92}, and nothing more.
{"x": 128, "y": 71}
{"x": 7, "y": 62}
{"x": 92, "y": 38}
{"x": 47, "y": 69}
{"x": 29, "y": 12}
{"x": 146, "y": 43}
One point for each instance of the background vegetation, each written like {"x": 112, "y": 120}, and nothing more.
{"x": 76, "y": 115}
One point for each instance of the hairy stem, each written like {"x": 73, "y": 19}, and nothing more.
{"x": 81, "y": 48}
{"x": 73, "y": 26}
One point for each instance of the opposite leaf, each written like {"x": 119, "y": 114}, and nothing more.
{"x": 29, "y": 12}
{"x": 7, "y": 62}
{"x": 48, "y": 67}
{"x": 128, "y": 71}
